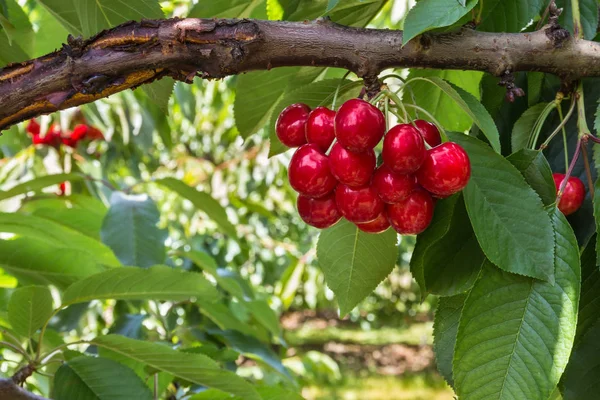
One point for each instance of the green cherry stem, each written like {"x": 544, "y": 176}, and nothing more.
{"x": 337, "y": 90}
{"x": 561, "y": 126}
{"x": 569, "y": 171}
{"x": 537, "y": 127}
{"x": 588, "y": 172}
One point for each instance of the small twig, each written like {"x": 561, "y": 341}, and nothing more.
{"x": 512, "y": 91}
{"x": 16, "y": 349}
{"x": 569, "y": 171}
{"x": 22, "y": 374}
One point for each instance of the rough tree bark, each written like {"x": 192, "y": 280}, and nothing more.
{"x": 136, "y": 53}
{"x": 9, "y": 390}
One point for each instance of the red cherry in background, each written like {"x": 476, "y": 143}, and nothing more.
{"x": 446, "y": 170}
{"x": 429, "y": 131}
{"x": 352, "y": 169}
{"x": 291, "y": 125}
{"x": 51, "y": 138}
{"x": 393, "y": 187}
{"x": 359, "y": 125}
{"x": 378, "y": 225}
{"x": 320, "y": 213}
{"x": 412, "y": 215}
{"x": 79, "y": 132}
{"x": 33, "y": 127}
{"x": 358, "y": 205}
{"x": 309, "y": 172}
{"x": 403, "y": 149}
{"x": 319, "y": 127}
{"x": 573, "y": 195}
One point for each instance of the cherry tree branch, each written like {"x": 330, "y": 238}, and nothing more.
{"x": 137, "y": 53}
{"x": 9, "y": 390}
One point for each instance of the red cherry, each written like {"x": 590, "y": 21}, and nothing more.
{"x": 573, "y": 194}
{"x": 62, "y": 189}
{"x": 51, "y": 138}
{"x": 291, "y": 125}
{"x": 446, "y": 170}
{"x": 94, "y": 133}
{"x": 378, "y": 225}
{"x": 429, "y": 131}
{"x": 403, "y": 149}
{"x": 79, "y": 132}
{"x": 358, "y": 205}
{"x": 309, "y": 172}
{"x": 352, "y": 169}
{"x": 69, "y": 141}
{"x": 412, "y": 215}
{"x": 319, "y": 127}
{"x": 320, "y": 213}
{"x": 392, "y": 187}
{"x": 33, "y": 127}
{"x": 359, "y": 125}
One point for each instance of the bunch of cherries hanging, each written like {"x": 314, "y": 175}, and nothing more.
{"x": 343, "y": 179}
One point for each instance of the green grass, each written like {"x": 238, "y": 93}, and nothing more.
{"x": 424, "y": 386}
{"x": 415, "y": 334}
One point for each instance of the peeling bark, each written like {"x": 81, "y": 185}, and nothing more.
{"x": 136, "y": 53}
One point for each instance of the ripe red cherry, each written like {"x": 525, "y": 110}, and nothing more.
{"x": 319, "y": 127}
{"x": 352, "y": 169}
{"x": 51, "y": 138}
{"x": 291, "y": 125}
{"x": 412, "y": 215}
{"x": 33, "y": 127}
{"x": 309, "y": 172}
{"x": 429, "y": 131}
{"x": 320, "y": 213}
{"x": 573, "y": 195}
{"x": 79, "y": 132}
{"x": 446, "y": 170}
{"x": 403, "y": 149}
{"x": 393, "y": 187}
{"x": 378, "y": 225}
{"x": 359, "y": 125}
{"x": 358, "y": 205}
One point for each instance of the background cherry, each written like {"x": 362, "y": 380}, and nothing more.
{"x": 403, "y": 149}
{"x": 358, "y": 205}
{"x": 320, "y": 213}
{"x": 446, "y": 170}
{"x": 320, "y": 127}
{"x": 291, "y": 125}
{"x": 351, "y": 169}
{"x": 309, "y": 172}
{"x": 378, "y": 225}
{"x": 572, "y": 196}
{"x": 359, "y": 125}
{"x": 412, "y": 215}
{"x": 429, "y": 131}
{"x": 392, "y": 187}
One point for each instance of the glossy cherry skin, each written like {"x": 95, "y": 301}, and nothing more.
{"x": 291, "y": 125}
{"x": 358, "y": 205}
{"x": 573, "y": 195}
{"x": 80, "y": 132}
{"x": 429, "y": 131}
{"x": 319, "y": 127}
{"x": 378, "y": 225}
{"x": 352, "y": 169}
{"x": 412, "y": 215}
{"x": 403, "y": 149}
{"x": 393, "y": 187}
{"x": 309, "y": 172}
{"x": 359, "y": 125}
{"x": 446, "y": 170}
{"x": 33, "y": 127}
{"x": 320, "y": 213}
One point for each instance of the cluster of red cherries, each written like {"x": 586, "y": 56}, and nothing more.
{"x": 341, "y": 179}
{"x": 55, "y": 136}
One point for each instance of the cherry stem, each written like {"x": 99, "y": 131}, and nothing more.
{"x": 569, "y": 171}
{"x": 337, "y": 90}
{"x": 561, "y": 126}
{"x": 539, "y": 123}
{"x": 432, "y": 118}
{"x": 588, "y": 172}
{"x": 16, "y": 349}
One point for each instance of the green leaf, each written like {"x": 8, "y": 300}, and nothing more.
{"x": 156, "y": 283}
{"x": 439, "y": 226}
{"x": 537, "y": 173}
{"x": 354, "y": 262}
{"x": 429, "y": 14}
{"x": 452, "y": 263}
{"x": 202, "y": 201}
{"x": 37, "y": 184}
{"x": 258, "y": 92}
{"x": 265, "y": 315}
{"x": 331, "y": 4}
{"x": 523, "y": 128}
{"x": 16, "y": 26}
{"x": 225, "y": 319}
{"x": 65, "y": 13}
{"x": 129, "y": 229}
{"x": 589, "y": 16}
{"x": 508, "y": 15}
{"x": 444, "y": 108}
{"x": 469, "y": 104}
{"x": 50, "y": 33}
{"x": 96, "y": 378}
{"x": 33, "y": 261}
{"x": 195, "y": 368}
{"x": 84, "y": 221}
{"x": 29, "y": 308}
{"x": 516, "y": 333}
{"x": 159, "y": 92}
{"x": 225, "y": 9}
{"x": 506, "y": 213}
{"x": 582, "y": 377}
{"x": 314, "y": 94}
{"x": 589, "y": 304}
{"x": 445, "y": 328}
